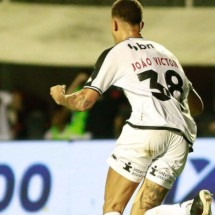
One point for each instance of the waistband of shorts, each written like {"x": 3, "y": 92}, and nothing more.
{"x": 162, "y": 128}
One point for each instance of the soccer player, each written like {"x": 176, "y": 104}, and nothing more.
{"x": 160, "y": 132}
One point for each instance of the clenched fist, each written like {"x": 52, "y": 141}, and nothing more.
{"x": 58, "y": 93}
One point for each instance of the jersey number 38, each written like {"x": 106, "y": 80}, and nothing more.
{"x": 172, "y": 85}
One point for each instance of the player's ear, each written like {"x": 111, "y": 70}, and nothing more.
{"x": 115, "y": 25}
{"x": 141, "y": 25}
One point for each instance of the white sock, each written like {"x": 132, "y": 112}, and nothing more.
{"x": 113, "y": 213}
{"x": 176, "y": 209}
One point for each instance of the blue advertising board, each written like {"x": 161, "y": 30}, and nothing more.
{"x": 52, "y": 178}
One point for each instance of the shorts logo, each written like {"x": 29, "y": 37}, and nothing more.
{"x": 114, "y": 156}
{"x": 162, "y": 174}
{"x": 153, "y": 170}
{"x": 127, "y": 167}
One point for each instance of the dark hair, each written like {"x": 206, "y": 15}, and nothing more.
{"x": 129, "y": 11}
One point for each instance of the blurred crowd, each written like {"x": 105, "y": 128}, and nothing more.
{"x": 25, "y": 117}
{"x": 22, "y": 116}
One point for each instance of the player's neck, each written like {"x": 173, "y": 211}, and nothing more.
{"x": 122, "y": 30}
{"x": 128, "y": 34}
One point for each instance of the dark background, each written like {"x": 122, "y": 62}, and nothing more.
{"x": 36, "y": 80}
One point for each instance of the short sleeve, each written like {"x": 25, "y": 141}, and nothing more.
{"x": 105, "y": 72}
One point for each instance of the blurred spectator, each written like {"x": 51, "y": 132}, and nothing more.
{"x": 5, "y": 129}
{"x": 206, "y": 124}
{"x": 13, "y": 115}
{"x": 20, "y": 118}
{"x": 59, "y": 129}
{"x": 104, "y": 121}
{"x": 78, "y": 83}
{"x": 67, "y": 125}
{"x": 36, "y": 120}
{"x": 16, "y": 115}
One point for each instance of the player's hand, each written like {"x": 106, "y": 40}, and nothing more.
{"x": 58, "y": 93}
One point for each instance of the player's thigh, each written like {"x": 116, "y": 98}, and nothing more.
{"x": 149, "y": 196}
{"x": 161, "y": 175}
{"x": 118, "y": 191}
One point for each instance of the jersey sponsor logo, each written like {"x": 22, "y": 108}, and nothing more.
{"x": 141, "y": 46}
{"x": 199, "y": 174}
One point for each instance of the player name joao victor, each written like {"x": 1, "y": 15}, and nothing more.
{"x": 150, "y": 61}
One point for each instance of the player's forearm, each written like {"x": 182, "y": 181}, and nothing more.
{"x": 77, "y": 102}
{"x": 69, "y": 101}
{"x": 63, "y": 101}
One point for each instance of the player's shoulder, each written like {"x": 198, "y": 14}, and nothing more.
{"x": 105, "y": 52}
{"x": 162, "y": 48}
{"x": 158, "y": 46}
{"x": 103, "y": 55}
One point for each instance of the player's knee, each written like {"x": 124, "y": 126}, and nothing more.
{"x": 113, "y": 210}
{"x": 114, "y": 204}
{"x": 145, "y": 206}
{"x": 141, "y": 207}
{"x": 113, "y": 207}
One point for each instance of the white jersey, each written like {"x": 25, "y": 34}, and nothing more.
{"x": 153, "y": 81}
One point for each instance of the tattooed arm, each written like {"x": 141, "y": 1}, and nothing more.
{"x": 79, "y": 101}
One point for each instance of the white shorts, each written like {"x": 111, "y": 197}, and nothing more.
{"x": 158, "y": 155}
{"x": 176, "y": 209}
